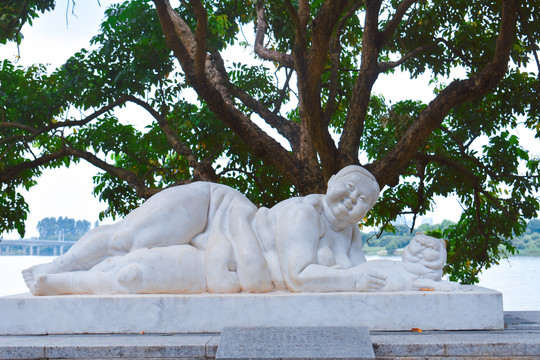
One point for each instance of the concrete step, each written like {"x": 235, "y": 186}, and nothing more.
{"x": 519, "y": 340}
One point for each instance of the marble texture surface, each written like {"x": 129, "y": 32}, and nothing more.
{"x": 471, "y": 308}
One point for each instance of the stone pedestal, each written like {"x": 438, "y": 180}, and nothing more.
{"x": 474, "y": 308}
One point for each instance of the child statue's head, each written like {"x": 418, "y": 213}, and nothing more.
{"x": 427, "y": 251}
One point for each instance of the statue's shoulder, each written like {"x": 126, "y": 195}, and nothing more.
{"x": 206, "y": 185}
{"x": 309, "y": 205}
{"x": 314, "y": 201}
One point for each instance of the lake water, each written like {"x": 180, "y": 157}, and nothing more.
{"x": 518, "y": 278}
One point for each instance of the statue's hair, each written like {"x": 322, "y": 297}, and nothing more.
{"x": 355, "y": 169}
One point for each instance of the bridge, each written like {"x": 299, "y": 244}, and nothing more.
{"x": 34, "y": 246}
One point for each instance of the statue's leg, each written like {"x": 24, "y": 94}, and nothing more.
{"x": 173, "y": 217}
{"x": 75, "y": 282}
{"x": 169, "y": 269}
{"x": 252, "y": 269}
{"x": 220, "y": 265}
{"x": 91, "y": 249}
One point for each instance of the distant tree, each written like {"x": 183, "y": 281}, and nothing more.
{"x": 47, "y": 228}
{"x": 64, "y": 227}
{"x": 82, "y": 227}
{"x": 446, "y": 224}
{"x": 534, "y": 225}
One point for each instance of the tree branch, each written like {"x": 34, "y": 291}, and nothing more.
{"x": 34, "y": 132}
{"x": 10, "y": 173}
{"x": 385, "y": 66}
{"x": 71, "y": 123}
{"x": 265, "y": 53}
{"x": 369, "y": 71}
{"x": 177, "y": 145}
{"x": 288, "y": 129}
{"x": 335, "y": 51}
{"x": 283, "y": 92}
{"x": 310, "y": 66}
{"x": 322, "y": 27}
{"x": 392, "y": 25}
{"x": 202, "y": 170}
{"x": 200, "y": 37}
{"x": 457, "y": 92}
{"x": 17, "y": 126}
{"x": 122, "y": 174}
{"x": 474, "y": 179}
{"x": 214, "y": 90}
{"x": 303, "y": 12}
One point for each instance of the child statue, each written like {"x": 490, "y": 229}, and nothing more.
{"x": 421, "y": 267}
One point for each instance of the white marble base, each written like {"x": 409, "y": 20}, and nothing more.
{"x": 474, "y": 308}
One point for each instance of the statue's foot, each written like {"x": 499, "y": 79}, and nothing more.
{"x": 35, "y": 273}
{"x": 41, "y": 286}
{"x": 28, "y": 277}
{"x": 37, "y": 286}
{"x": 43, "y": 269}
{"x": 52, "y": 284}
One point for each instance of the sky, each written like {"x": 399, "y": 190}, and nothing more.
{"x": 57, "y": 35}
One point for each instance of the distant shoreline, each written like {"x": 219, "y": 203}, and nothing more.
{"x": 381, "y": 251}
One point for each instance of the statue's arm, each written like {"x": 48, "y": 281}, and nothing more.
{"x": 298, "y": 232}
{"x": 356, "y": 251}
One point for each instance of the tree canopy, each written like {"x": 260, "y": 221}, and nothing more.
{"x": 311, "y": 78}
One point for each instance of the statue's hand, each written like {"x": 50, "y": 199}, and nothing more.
{"x": 368, "y": 279}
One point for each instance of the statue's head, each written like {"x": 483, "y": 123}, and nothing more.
{"x": 351, "y": 193}
{"x": 427, "y": 251}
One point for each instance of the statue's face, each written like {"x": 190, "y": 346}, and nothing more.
{"x": 415, "y": 246}
{"x": 430, "y": 254}
{"x": 350, "y": 197}
{"x": 426, "y": 247}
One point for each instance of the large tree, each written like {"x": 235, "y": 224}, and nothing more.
{"x": 310, "y": 78}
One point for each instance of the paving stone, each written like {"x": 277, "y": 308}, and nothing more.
{"x": 522, "y": 320}
{"x": 104, "y": 346}
{"x": 417, "y": 344}
{"x": 491, "y": 343}
{"x": 22, "y": 347}
{"x": 212, "y": 345}
{"x": 18, "y": 352}
{"x": 529, "y": 316}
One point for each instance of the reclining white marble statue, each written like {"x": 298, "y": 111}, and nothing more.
{"x": 206, "y": 237}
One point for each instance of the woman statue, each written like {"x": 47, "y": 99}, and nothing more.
{"x": 209, "y": 237}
